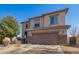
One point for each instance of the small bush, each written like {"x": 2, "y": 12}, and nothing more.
{"x": 1, "y": 40}
{"x": 14, "y": 40}
{"x": 6, "y": 41}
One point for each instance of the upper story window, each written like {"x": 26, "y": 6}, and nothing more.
{"x": 26, "y": 25}
{"x": 53, "y": 20}
{"x": 36, "y": 23}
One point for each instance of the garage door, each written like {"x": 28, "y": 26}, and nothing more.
{"x": 44, "y": 38}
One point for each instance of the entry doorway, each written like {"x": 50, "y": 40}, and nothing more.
{"x": 26, "y": 41}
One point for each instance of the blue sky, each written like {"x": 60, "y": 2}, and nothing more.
{"x": 22, "y": 12}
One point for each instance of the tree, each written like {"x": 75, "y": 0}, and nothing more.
{"x": 73, "y": 31}
{"x": 9, "y": 26}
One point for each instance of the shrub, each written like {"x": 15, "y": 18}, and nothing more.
{"x": 14, "y": 40}
{"x": 1, "y": 40}
{"x": 6, "y": 41}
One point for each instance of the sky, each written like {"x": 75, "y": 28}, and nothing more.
{"x": 22, "y": 12}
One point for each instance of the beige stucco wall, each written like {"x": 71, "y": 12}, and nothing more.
{"x": 46, "y": 19}
{"x": 41, "y": 22}
{"x": 24, "y": 24}
{"x": 61, "y": 19}
{"x": 77, "y": 40}
{"x": 68, "y": 40}
{"x": 23, "y": 28}
{"x": 32, "y": 22}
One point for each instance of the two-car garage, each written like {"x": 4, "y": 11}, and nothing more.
{"x": 44, "y": 38}
{"x": 48, "y": 36}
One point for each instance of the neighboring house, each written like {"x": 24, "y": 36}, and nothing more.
{"x": 49, "y": 28}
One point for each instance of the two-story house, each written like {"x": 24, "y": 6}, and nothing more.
{"x": 49, "y": 28}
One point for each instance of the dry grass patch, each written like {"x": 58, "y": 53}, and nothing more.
{"x": 70, "y": 49}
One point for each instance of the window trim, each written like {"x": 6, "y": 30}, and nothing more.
{"x": 37, "y": 22}
{"x": 57, "y": 19}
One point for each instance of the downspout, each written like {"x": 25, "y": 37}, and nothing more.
{"x": 43, "y": 21}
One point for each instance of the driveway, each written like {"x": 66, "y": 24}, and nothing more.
{"x": 32, "y": 49}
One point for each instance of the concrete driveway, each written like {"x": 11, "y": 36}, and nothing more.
{"x": 32, "y": 49}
